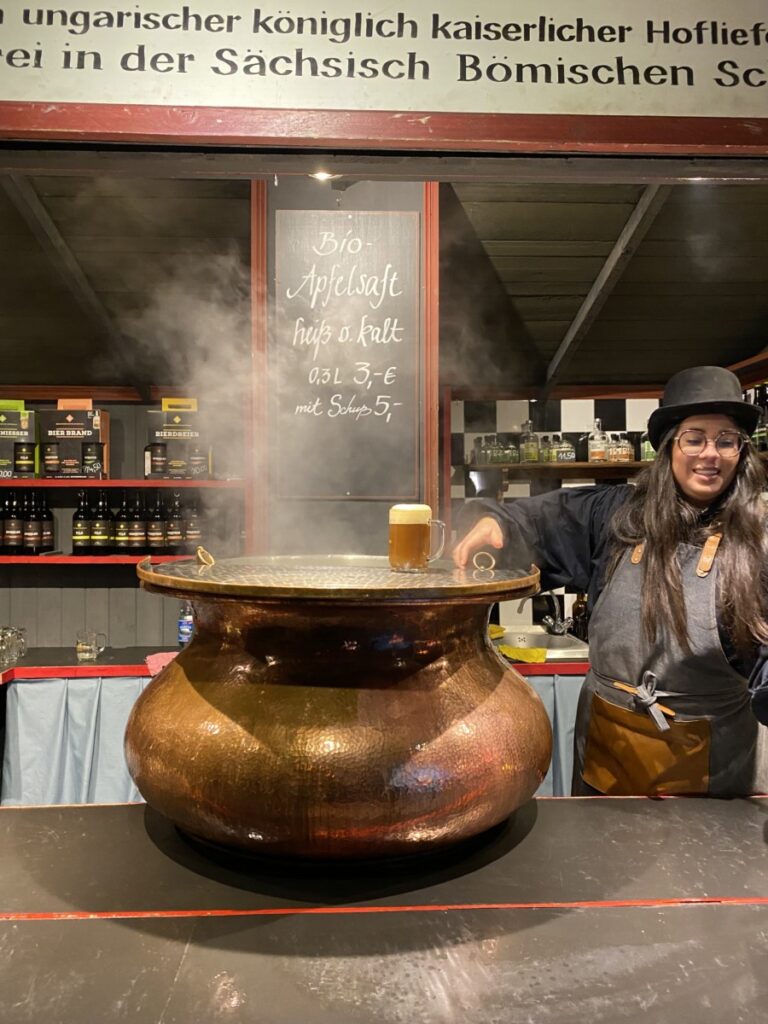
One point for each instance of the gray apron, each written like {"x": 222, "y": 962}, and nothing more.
{"x": 653, "y": 719}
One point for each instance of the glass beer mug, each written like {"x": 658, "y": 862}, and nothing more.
{"x": 410, "y": 537}
{"x": 89, "y": 644}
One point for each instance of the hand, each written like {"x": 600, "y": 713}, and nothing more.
{"x": 484, "y": 534}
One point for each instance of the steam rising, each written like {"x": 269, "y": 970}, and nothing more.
{"x": 193, "y": 332}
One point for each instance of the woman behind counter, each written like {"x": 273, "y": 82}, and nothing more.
{"x": 676, "y": 572}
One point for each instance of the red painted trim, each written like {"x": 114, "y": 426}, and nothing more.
{"x": 20, "y": 672}
{"x": 382, "y": 130}
{"x": 426, "y": 908}
{"x": 430, "y": 388}
{"x": 52, "y": 393}
{"x": 88, "y": 559}
{"x": 37, "y": 482}
{"x": 552, "y": 668}
{"x": 446, "y": 469}
{"x": 257, "y": 420}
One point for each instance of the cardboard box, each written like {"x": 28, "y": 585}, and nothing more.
{"x": 19, "y": 453}
{"x": 74, "y": 442}
{"x": 176, "y": 449}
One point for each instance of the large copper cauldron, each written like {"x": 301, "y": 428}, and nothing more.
{"x": 334, "y": 708}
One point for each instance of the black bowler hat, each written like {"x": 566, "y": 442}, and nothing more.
{"x": 701, "y": 389}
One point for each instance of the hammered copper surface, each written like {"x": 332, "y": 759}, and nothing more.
{"x": 326, "y": 729}
{"x": 343, "y": 577}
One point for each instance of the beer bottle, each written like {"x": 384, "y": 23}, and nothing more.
{"x": 3, "y": 513}
{"x": 23, "y": 459}
{"x": 156, "y": 527}
{"x": 13, "y": 526}
{"x": 122, "y": 526}
{"x": 46, "y": 524}
{"x": 137, "y": 527}
{"x": 579, "y": 628}
{"x": 193, "y": 533}
{"x": 81, "y": 526}
{"x": 32, "y": 528}
{"x": 102, "y": 527}
{"x": 174, "y": 527}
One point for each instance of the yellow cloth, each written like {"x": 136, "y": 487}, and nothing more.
{"x": 494, "y": 632}
{"x": 532, "y": 655}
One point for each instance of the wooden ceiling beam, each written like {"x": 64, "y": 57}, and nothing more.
{"x": 228, "y": 163}
{"x": 22, "y": 194}
{"x": 638, "y": 223}
{"x": 28, "y": 203}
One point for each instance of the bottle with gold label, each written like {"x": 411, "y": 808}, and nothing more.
{"x": 81, "y": 526}
{"x": 102, "y": 527}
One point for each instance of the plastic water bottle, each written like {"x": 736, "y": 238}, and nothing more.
{"x": 186, "y": 624}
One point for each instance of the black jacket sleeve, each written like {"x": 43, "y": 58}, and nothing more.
{"x": 566, "y": 533}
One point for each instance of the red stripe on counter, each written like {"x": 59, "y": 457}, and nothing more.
{"x": 11, "y": 675}
{"x": 82, "y": 915}
{"x": 551, "y": 668}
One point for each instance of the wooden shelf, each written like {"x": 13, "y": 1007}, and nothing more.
{"x": 87, "y": 559}
{"x": 564, "y": 470}
{"x": 76, "y": 483}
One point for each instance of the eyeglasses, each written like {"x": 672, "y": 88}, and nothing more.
{"x": 728, "y": 443}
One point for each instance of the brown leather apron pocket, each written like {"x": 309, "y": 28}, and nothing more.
{"x": 627, "y": 755}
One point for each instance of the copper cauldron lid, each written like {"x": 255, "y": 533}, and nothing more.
{"x": 337, "y": 577}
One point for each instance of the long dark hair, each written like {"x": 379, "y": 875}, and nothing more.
{"x": 659, "y": 515}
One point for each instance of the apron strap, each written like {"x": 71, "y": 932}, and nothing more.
{"x": 706, "y": 560}
{"x": 708, "y": 553}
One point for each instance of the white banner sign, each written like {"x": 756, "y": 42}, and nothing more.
{"x": 701, "y": 58}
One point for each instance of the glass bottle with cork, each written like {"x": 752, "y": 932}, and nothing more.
{"x": 529, "y": 444}
{"x": 597, "y": 443}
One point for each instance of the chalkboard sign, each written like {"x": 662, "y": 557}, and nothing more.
{"x": 345, "y": 354}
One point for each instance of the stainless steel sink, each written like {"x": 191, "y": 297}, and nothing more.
{"x": 562, "y": 647}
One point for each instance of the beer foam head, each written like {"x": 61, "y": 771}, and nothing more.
{"x": 410, "y": 514}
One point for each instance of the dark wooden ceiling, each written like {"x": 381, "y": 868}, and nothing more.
{"x": 118, "y": 280}
{"x": 690, "y": 286}
{"x": 610, "y": 284}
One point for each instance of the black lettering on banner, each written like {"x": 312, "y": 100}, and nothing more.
{"x": 732, "y": 75}
{"x": 345, "y": 355}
